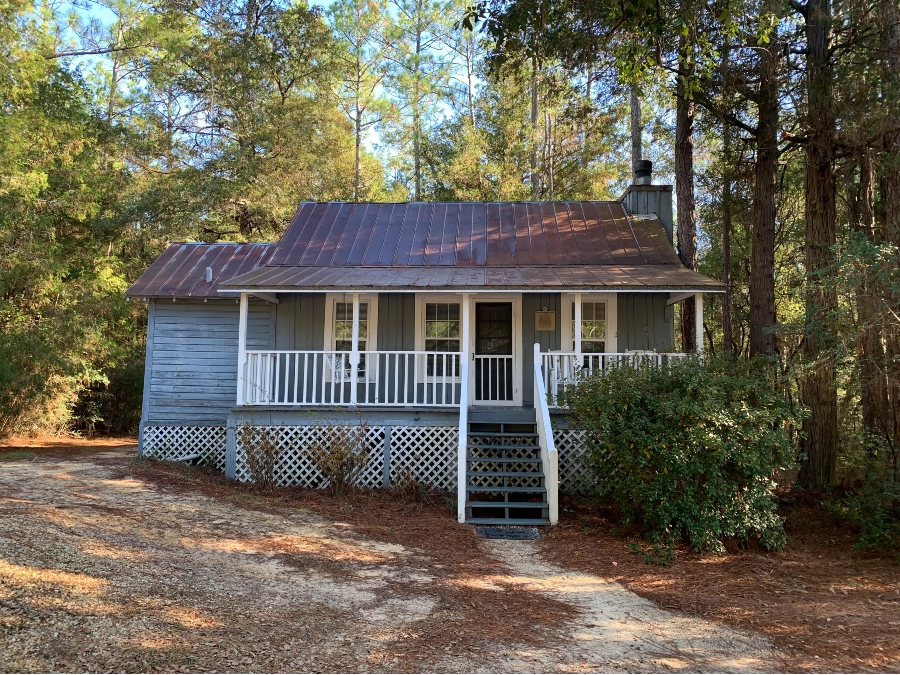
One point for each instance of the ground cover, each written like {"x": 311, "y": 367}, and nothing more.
{"x": 109, "y": 563}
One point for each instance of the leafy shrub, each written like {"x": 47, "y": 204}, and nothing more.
{"x": 341, "y": 456}
{"x": 261, "y": 448}
{"x": 688, "y": 451}
{"x": 874, "y": 510}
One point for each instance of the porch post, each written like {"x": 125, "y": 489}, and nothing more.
{"x": 578, "y": 361}
{"x": 698, "y": 322}
{"x": 464, "y": 339}
{"x": 242, "y": 350}
{"x": 354, "y": 351}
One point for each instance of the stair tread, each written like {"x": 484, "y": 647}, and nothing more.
{"x": 502, "y": 434}
{"x": 488, "y": 446}
{"x": 502, "y": 488}
{"x": 510, "y": 474}
{"x": 507, "y": 505}
{"x": 508, "y": 521}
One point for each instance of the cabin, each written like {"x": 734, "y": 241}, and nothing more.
{"x": 445, "y": 330}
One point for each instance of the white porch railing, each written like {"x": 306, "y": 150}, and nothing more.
{"x": 562, "y": 369}
{"x": 327, "y": 378}
{"x": 494, "y": 378}
{"x": 549, "y": 455}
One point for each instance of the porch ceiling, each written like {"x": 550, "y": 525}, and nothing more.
{"x": 521, "y": 278}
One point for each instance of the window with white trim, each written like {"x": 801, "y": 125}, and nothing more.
{"x": 442, "y": 334}
{"x": 343, "y": 333}
{"x": 593, "y": 327}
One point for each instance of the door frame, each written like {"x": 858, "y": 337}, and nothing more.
{"x": 516, "y": 300}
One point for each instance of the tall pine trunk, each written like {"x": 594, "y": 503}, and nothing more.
{"x": 869, "y": 348}
{"x": 762, "y": 268}
{"x": 818, "y": 385}
{"x": 890, "y": 49}
{"x": 684, "y": 185}
{"x": 637, "y": 151}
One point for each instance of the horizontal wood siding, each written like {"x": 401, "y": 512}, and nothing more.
{"x": 192, "y": 358}
{"x": 549, "y": 340}
{"x": 645, "y": 322}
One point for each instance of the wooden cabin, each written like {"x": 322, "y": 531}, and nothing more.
{"x": 446, "y": 329}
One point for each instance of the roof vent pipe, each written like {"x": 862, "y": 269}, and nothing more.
{"x": 209, "y": 275}
{"x": 643, "y": 172}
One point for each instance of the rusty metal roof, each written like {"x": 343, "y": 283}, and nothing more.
{"x": 502, "y": 246}
{"x": 568, "y": 277}
{"x": 465, "y": 234}
{"x": 180, "y": 271}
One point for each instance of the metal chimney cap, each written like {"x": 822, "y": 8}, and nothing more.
{"x": 643, "y": 170}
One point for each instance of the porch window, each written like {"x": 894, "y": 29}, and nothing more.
{"x": 343, "y": 331}
{"x": 442, "y": 334}
{"x": 593, "y": 327}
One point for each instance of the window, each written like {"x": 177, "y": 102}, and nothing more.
{"x": 343, "y": 332}
{"x": 442, "y": 335}
{"x": 593, "y": 327}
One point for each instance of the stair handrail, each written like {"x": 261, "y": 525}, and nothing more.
{"x": 463, "y": 440}
{"x": 549, "y": 455}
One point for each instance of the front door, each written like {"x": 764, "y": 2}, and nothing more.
{"x": 494, "y": 371}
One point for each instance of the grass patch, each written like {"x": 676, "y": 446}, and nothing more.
{"x": 14, "y": 455}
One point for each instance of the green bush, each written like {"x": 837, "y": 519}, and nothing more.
{"x": 688, "y": 451}
{"x": 874, "y": 510}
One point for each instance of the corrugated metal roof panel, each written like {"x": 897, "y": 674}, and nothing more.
{"x": 497, "y": 234}
{"x": 180, "y": 271}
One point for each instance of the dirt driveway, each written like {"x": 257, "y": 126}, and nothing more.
{"x": 105, "y": 566}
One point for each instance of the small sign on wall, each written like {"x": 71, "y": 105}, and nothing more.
{"x": 545, "y": 321}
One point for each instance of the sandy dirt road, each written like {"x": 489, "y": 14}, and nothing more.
{"x": 102, "y": 569}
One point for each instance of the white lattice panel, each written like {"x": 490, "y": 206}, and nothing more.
{"x": 295, "y": 467}
{"x": 172, "y": 443}
{"x": 430, "y": 453}
{"x": 575, "y": 474}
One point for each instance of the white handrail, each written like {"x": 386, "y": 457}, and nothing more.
{"x": 549, "y": 455}
{"x": 463, "y": 443}
{"x": 562, "y": 369}
{"x": 380, "y": 378}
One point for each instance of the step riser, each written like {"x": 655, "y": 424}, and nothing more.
{"x": 512, "y": 470}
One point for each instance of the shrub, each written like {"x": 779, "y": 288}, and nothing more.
{"x": 261, "y": 447}
{"x": 688, "y": 451}
{"x": 341, "y": 456}
{"x": 873, "y": 509}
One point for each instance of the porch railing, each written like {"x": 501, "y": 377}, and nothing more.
{"x": 562, "y": 369}
{"x": 328, "y": 378}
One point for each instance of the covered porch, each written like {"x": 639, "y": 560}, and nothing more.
{"x": 490, "y": 340}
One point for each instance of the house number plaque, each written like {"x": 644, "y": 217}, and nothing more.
{"x": 545, "y": 320}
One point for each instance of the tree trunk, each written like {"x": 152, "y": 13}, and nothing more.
{"x": 727, "y": 331}
{"x": 637, "y": 150}
{"x": 890, "y": 48}
{"x": 684, "y": 187}
{"x": 535, "y": 101}
{"x": 869, "y": 349}
{"x": 762, "y": 271}
{"x": 818, "y": 386}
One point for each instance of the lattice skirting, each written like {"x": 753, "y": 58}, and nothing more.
{"x": 429, "y": 453}
{"x": 172, "y": 443}
{"x": 575, "y": 473}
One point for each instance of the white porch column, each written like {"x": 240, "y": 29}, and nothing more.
{"x": 242, "y": 350}
{"x": 465, "y": 338}
{"x": 464, "y": 402}
{"x": 354, "y": 351}
{"x": 698, "y": 322}
{"x": 578, "y": 360}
